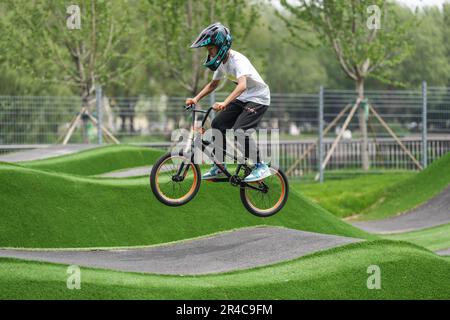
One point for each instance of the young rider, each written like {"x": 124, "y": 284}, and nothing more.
{"x": 245, "y": 106}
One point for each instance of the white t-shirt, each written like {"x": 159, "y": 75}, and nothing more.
{"x": 238, "y": 65}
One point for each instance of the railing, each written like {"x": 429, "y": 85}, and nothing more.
{"x": 44, "y": 120}
{"x": 31, "y": 122}
{"x": 385, "y": 153}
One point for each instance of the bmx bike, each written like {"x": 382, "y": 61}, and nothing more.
{"x": 175, "y": 178}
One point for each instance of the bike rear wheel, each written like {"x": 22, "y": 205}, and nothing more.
{"x": 268, "y": 202}
{"x": 175, "y": 180}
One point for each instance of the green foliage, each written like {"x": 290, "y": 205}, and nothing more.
{"x": 177, "y": 23}
{"x": 82, "y": 57}
{"x": 151, "y": 53}
{"x": 430, "y": 59}
{"x": 446, "y": 30}
{"x": 342, "y": 26}
{"x": 283, "y": 66}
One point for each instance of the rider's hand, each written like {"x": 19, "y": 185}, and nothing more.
{"x": 191, "y": 101}
{"x": 218, "y": 106}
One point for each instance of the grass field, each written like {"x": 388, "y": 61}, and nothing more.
{"x": 378, "y": 196}
{"x": 412, "y": 192}
{"x": 98, "y": 160}
{"x": 47, "y": 209}
{"x": 435, "y": 238}
{"x": 55, "y": 203}
{"x": 407, "y": 272}
{"x": 350, "y": 196}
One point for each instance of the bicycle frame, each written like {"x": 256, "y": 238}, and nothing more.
{"x": 191, "y": 147}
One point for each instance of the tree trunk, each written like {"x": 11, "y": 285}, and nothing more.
{"x": 363, "y": 127}
{"x": 84, "y": 119}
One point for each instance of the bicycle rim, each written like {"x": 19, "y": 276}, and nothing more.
{"x": 175, "y": 191}
{"x": 267, "y": 203}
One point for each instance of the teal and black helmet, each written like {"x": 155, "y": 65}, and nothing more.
{"x": 218, "y": 35}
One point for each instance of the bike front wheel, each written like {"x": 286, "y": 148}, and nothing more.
{"x": 175, "y": 180}
{"x": 270, "y": 197}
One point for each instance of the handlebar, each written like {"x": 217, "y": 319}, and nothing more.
{"x": 194, "y": 110}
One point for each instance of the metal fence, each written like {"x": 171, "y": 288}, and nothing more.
{"x": 47, "y": 120}
{"x": 385, "y": 154}
{"x": 36, "y": 120}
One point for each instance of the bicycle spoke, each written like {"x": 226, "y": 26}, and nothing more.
{"x": 266, "y": 200}
{"x": 169, "y": 188}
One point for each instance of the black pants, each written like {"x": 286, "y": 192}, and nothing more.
{"x": 240, "y": 115}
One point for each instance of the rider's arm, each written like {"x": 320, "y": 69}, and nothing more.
{"x": 210, "y": 87}
{"x": 241, "y": 87}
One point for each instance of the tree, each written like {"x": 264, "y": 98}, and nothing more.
{"x": 37, "y": 31}
{"x": 273, "y": 57}
{"x": 175, "y": 24}
{"x": 429, "y": 60}
{"x": 360, "y": 50}
{"x": 446, "y": 31}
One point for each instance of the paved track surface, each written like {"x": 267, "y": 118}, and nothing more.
{"x": 432, "y": 213}
{"x": 133, "y": 172}
{"x": 444, "y": 252}
{"x": 240, "y": 249}
{"x": 44, "y": 153}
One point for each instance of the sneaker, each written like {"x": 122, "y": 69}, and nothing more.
{"x": 260, "y": 171}
{"x": 214, "y": 173}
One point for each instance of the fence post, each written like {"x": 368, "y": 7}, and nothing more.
{"x": 321, "y": 149}
{"x": 424, "y": 125}
{"x": 99, "y": 107}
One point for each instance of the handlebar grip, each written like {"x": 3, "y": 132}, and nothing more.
{"x": 192, "y": 107}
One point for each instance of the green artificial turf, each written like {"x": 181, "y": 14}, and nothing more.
{"x": 379, "y": 196}
{"x": 434, "y": 238}
{"x": 406, "y": 272}
{"x": 50, "y": 210}
{"x": 98, "y": 160}
{"x": 350, "y": 196}
{"x": 44, "y": 209}
{"x": 412, "y": 192}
